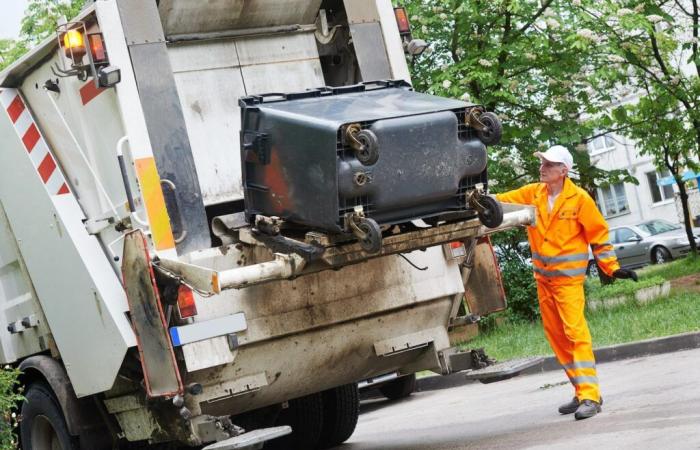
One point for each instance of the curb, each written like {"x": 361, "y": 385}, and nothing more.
{"x": 669, "y": 344}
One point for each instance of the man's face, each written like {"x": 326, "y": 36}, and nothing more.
{"x": 552, "y": 172}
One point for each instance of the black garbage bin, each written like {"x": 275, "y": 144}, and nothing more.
{"x": 378, "y": 151}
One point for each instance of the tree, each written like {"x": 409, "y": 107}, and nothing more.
{"x": 39, "y": 22}
{"x": 655, "y": 43}
{"x": 527, "y": 60}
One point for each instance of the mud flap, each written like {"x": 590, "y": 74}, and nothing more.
{"x": 483, "y": 289}
{"x": 504, "y": 370}
{"x": 160, "y": 369}
{"x": 250, "y": 440}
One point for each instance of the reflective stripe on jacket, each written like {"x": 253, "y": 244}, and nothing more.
{"x": 560, "y": 239}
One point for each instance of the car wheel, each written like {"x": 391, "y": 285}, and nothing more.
{"x": 660, "y": 255}
{"x": 592, "y": 270}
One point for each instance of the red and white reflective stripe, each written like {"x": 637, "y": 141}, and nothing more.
{"x": 33, "y": 141}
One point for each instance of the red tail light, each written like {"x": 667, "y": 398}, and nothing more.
{"x": 402, "y": 20}
{"x": 185, "y": 302}
{"x": 97, "y": 47}
{"x": 455, "y": 250}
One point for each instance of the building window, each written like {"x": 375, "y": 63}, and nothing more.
{"x": 612, "y": 200}
{"x": 659, "y": 193}
{"x": 602, "y": 144}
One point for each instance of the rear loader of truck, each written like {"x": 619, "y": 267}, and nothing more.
{"x": 214, "y": 222}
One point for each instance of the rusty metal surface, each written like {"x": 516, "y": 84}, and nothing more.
{"x": 160, "y": 369}
{"x": 484, "y": 288}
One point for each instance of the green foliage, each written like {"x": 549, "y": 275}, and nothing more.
{"x": 10, "y": 51}
{"x": 9, "y": 398}
{"x": 530, "y": 61}
{"x": 39, "y": 22}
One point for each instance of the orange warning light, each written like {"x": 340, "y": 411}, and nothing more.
{"x": 74, "y": 45}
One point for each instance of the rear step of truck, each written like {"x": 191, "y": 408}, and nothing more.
{"x": 251, "y": 440}
{"x": 503, "y": 370}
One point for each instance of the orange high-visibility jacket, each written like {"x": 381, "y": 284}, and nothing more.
{"x": 560, "y": 239}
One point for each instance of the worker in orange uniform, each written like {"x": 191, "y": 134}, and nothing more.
{"x": 568, "y": 221}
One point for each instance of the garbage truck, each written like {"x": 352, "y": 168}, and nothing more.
{"x": 216, "y": 218}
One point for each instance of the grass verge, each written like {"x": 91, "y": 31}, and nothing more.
{"x": 679, "y": 313}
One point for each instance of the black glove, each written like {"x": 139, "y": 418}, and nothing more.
{"x": 625, "y": 273}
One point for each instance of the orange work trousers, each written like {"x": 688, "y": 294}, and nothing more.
{"x": 567, "y": 332}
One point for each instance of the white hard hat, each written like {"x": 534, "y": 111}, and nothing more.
{"x": 557, "y": 154}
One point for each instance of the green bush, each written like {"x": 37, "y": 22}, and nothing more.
{"x": 10, "y": 396}
{"x": 516, "y": 271}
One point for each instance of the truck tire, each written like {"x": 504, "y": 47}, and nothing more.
{"x": 43, "y": 426}
{"x": 399, "y": 388}
{"x": 305, "y": 416}
{"x": 341, "y": 408}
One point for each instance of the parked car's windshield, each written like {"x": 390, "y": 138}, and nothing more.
{"x": 657, "y": 226}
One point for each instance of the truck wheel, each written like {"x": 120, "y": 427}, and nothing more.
{"x": 399, "y": 388}
{"x": 305, "y": 416}
{"x": 43, "y": 426}
{"x": 493, "y": 129}
{"x": 341, "y": 408}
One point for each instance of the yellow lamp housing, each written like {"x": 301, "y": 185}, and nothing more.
{"x": 74, "y": 46}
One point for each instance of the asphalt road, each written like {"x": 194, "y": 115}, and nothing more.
{"x": 649, "y": 403}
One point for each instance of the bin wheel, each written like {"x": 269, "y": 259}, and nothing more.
{"x": 371, "y": 242}
{"x": 493, "y": 129}
{"x": 368, "y": 152}
{"x": 491, "y": 212}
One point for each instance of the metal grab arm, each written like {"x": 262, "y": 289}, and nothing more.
{"x": 208, "y": 281}
{"x": 523, "y": 216}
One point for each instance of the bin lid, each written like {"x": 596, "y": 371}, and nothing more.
{"x": 326, "y": 105}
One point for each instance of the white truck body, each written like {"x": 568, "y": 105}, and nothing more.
{"x": 62, "y": 291}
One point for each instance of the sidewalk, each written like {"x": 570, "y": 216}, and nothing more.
{"x": 610, "y": 353}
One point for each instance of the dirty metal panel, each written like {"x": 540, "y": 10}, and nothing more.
{"x": 266, "y": 78}
{"x": 192, "y": 17}
{"x": 209, "y": 102}
{"x": 325, "y": 298}
{"x": 370, "y": 51}
{"x": 280, "y": 63}
{"x": 157, "y": 357}
{"x": 239, "y": 386}
{"x": 503, "y": 370}
{"x": 346, "y": 355}
{"x": 361, "y": 11}
{"x": 210, "y": 81}
{"x": 209, "y": 353}
{"x": 407, "y": 342}
{"x": 80, "y": 296}
{"x": 484, "y": 288}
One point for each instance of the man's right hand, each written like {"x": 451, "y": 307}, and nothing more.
{"x": 625, "y": 274}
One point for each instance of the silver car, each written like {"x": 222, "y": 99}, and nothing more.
{"x": 654, "y": 241}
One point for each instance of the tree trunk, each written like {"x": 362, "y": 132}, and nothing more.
{"x": 686, "y": 215}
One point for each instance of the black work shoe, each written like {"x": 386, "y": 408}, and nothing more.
{"x": 569, "y": 408}
{"x": 587, "y": 408}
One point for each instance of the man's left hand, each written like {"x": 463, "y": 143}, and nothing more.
{"x": 625, "y": 274}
